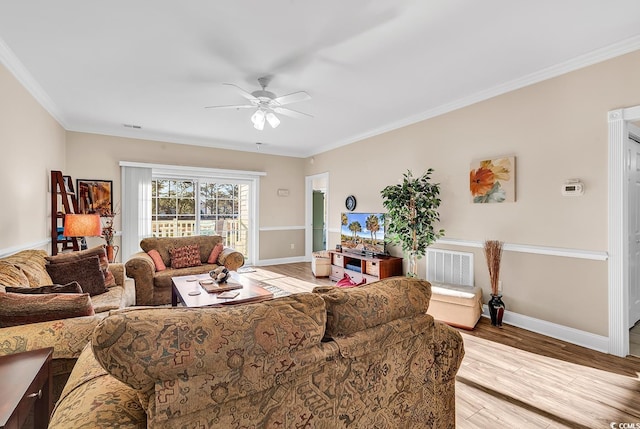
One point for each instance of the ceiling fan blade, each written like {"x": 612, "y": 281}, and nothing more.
{"x": 291, "y": 113}
{"x": 232, "y": 106}
{"x": 242, "y": 92}
{"x": 294, "y": 97}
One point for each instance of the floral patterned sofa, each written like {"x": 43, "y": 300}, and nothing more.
{"x": 153, "y": 278}
{"x": 362, "y": 357}
{"x": 68, "y": 336}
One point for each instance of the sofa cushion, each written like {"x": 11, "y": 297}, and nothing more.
{"x": 113, "y": 299}
{"x": 21, "y": 309}
{"x": 355, "y": 309}
{"x": 85, "y": 271}
{"x": 32, "y": 263}
{"x": 73, "y": 287}
{"x": 157, "y": 260}
{"x": 99, "y": 251}
{"x": 185, "y": 256}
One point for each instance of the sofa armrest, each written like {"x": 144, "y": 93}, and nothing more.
{"x": 67, "y": 336}
{"x": 448, "y": 351}
{"x": 231, "y": 259}
{"x": 140, "y": 267}
{"x": 117, "y": 269}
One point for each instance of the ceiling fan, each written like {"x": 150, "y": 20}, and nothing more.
{"x": 267, "y": 104}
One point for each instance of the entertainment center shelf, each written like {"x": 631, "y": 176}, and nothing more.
{"x": 359, "y": 266}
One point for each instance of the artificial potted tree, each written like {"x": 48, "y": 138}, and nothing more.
{"x": 412, "y": 211}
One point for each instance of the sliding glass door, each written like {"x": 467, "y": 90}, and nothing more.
{"x": 203, "y": 206}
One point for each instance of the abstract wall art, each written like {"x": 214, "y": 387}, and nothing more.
{"x": 493, "y": 180}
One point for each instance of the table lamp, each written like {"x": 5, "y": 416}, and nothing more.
{"x": 82, "y": 225}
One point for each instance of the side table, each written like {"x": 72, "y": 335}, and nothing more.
{"x": 26, "y": 383}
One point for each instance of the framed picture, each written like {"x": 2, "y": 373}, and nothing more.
{"x": 94, "y": 196}
{"x": 493, "y": 180}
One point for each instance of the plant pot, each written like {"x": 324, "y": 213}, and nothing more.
{"x": 412, "y": 267}
{"x": 496, "y": 309}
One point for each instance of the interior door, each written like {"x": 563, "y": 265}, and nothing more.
{"x": 318, "y": 221}
{"x": 633, "y": 177}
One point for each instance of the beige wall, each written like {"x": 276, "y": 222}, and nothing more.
{"x": 557, "y": 129}
{"x": 94, "y": 156}
{"x": 33, "y": 144}
{"x": 277, "y": 244}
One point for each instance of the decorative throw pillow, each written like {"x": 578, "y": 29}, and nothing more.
{"x": 215, "y": 253}
{"x": 72, "y": 287}
{"x": 157, "y": 260}
{"x": 20, "y": 309}
{"x": 85, "y": 271}
{"x": 185, "y": 256}
{"x": 99, "y": 251}
{"x": 347, "y": 282}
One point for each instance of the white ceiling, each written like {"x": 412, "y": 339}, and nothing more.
{"x": 369, "y": 66}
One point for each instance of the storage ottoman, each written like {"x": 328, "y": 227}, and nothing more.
{"x": 459, "y": 306}
{"x": 321, "y": 263}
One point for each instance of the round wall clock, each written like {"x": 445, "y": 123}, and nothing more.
{"x": 350, "y": 203}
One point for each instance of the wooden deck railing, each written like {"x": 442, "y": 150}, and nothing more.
{"x": 234, "y": 232}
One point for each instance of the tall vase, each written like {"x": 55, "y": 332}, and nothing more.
{"x": 112, "y": 251}
{"x": 496, "y": 309}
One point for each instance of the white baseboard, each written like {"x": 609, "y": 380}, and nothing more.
{"x": 553, "y": 330}
{"x": 42, "y": 244}
{"x": 280, "y": 261}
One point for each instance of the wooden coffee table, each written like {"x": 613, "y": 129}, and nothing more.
{"x": 184, "y": 287}
{"x": 26, "y": 383}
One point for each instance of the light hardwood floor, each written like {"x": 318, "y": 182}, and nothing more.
{"x": 513, "y": 378}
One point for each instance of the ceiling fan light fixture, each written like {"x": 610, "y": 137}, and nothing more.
{"x": 258, "y": 119}
{"x": 273, "y": 120}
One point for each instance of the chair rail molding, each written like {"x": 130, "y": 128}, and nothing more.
{"x": 527, "y": 248}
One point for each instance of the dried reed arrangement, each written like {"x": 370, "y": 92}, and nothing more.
{"x": 493, "y": 254}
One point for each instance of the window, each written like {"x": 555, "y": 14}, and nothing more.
{"x": 169, "y": 200}
{"x": 221, "y": 208}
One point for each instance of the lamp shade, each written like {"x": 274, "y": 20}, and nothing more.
{"x": 82, "y": 225}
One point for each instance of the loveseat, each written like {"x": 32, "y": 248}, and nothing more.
{"x": 67, "y": 336}
{"x": 364, "y": 357}
{"x": 153, "y": 278}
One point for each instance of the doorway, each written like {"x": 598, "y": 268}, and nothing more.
{"x": 632, "y": 152}
{"x": 619, "y": 228}
{"x": 317, "y": 213}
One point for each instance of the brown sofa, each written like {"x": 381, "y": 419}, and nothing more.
{"x": 154, "y": 287}
{"x": 67, "y": 336}
{"x": 366, "y": 357}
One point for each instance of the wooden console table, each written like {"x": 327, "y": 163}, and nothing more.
{"x": 359, "y": 267}
{"x": 26, "y": 383}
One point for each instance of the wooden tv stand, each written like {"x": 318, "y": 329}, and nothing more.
{"x": 359, "y": 267}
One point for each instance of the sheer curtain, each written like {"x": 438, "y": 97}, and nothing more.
{"x": 136, "y": 207}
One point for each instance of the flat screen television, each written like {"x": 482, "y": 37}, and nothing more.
{"x": 362, "y": 233}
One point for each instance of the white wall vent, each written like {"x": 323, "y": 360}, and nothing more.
{"x": 448, "y": 266}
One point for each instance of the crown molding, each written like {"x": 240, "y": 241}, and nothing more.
{"x": 617, "y": 49}
{"x": 19, "y": 71}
